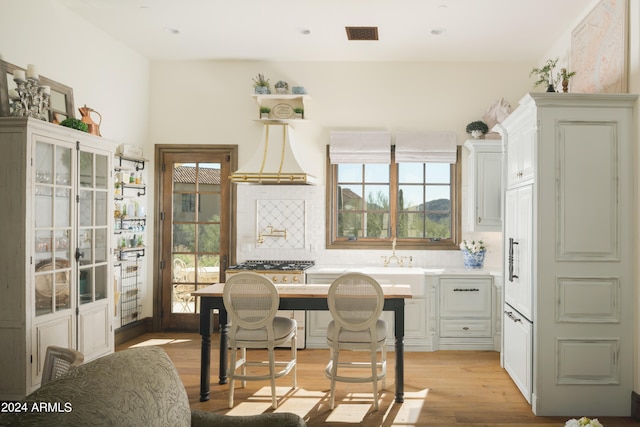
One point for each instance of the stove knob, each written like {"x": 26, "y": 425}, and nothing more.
{"x": 285, "y": 279}
{"x": 274, "y": 279}
{"x": 296, "y": 279}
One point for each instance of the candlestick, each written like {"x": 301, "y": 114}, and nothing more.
{"x": 32, "y": 72}
{"x": 19, "y": 75}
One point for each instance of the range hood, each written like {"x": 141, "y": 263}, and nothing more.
{"x": 275, "y": 161}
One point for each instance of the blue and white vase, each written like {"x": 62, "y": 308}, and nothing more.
{"x": 473, "y": 260}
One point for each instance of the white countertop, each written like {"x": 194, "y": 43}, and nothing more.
{"x": 332, "y": 269}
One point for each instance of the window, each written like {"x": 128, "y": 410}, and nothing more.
{"x": 418, "y": 204}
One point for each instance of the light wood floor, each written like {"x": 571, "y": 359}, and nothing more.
{"x": 443, "y": 388}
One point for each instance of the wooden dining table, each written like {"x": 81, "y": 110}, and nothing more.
{"x": 292, "y": 297}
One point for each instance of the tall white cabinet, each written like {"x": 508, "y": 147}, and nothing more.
{"x": 57, "y": 274}
{"x": 568, "y": 280}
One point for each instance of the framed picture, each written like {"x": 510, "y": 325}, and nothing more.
{"x": 60, "y": 101}
{"x": 599, "y": 49}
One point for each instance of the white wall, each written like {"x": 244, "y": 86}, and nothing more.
{"x": 211, "y": 100}
{"x": 103, "y": 73}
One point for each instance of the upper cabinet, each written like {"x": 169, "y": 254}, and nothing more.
{"x": 520, "y": 144}
{"x": 284, "y": 108}
{"x": 485, "y": 184}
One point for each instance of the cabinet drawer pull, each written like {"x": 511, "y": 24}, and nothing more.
{"x": 512, "y": 317}
{"x": 466, "y": 290}
{"x": 466, "y": 328}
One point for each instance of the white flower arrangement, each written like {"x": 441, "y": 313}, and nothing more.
{"x": 473, "y": 246}
{"x": 583, "y": 422}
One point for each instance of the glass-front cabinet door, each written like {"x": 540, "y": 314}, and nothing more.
{"x": 71, "y": 264}
{"x": 92, "y": 227}
{"x": 53, "y": 205}
{"x": 92, "y": 253}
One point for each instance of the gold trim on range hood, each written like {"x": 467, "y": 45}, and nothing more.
{"x": 275, "y": 161}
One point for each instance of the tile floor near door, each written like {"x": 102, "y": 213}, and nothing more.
{"x": 442, "y": 389}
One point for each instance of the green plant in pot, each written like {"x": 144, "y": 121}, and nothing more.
{"x": 264, "y": 112}
{"x": 75, "y": 124}
{"x": 281, "y": 86}
{"x": 545, "y": 76}
{"x": 477, "y": 129}
{"x": 261, "y": 85}
{"x": 299, "y": 112}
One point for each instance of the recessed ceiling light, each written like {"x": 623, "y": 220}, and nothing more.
{"x": 438, "y": 31}
{"x": 170, "y": 30}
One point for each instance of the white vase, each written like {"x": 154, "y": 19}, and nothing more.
{"x": 477, "y": 134}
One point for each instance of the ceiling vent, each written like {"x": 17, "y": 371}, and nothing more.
{"x": 362, "y": 33}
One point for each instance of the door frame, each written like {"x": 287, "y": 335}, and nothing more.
{"x": 158, "y": 262}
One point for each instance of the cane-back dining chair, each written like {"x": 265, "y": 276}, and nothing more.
{"x": 58, "y": 361}
{"x": 355, "y": 301}
{"x": 251, "y": 301}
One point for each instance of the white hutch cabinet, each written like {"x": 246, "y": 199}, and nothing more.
{"x": 56, "y": 260}
{"x": 568, "y": 332}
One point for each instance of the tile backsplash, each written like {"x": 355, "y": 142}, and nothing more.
{"x": 281, "y": 224}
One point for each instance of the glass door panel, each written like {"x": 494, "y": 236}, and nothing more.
{"x": 196, "y": 231}
{"x": 52, "y": 216}
{"x": 93, "y": 227}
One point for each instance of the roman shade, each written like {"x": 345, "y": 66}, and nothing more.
{"x": 421, "y": 147}
{"x": 360, "y": 147}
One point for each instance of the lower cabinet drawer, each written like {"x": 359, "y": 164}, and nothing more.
{"x": 465, "y": 328}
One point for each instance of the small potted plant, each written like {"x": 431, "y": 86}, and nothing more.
{"x": 282, "y": 87}
{"x": 545, "y": 74}
{"x": 261, "y": 85}
{"x": 264, "y": 112}
{"x": 299, "y": 112}
{"x": 473, "y": 253}
{"x": 564, "y": 79}
{"x": 477, "y": 129}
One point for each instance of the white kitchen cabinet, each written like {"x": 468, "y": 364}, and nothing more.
{"x": 520, "y": 159}
{"x": 485, "y": 185}
{"x": 56, "y": 267}
{"x": 466, "y": 312}
{"x": 570, "y": 187}
{"x": 518, "y": 352}
{"x": 416, "y": 334}
{"x": 518, "y": 290}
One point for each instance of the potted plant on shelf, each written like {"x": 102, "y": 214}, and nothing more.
{"x": 299, "y": 112}
{"x": 477, "y": 129}
{"x": 546, "y": 77}
{"x": 261, "y": 85}
{"x": 282, "y": 87}
{"x": 264, "y": 112}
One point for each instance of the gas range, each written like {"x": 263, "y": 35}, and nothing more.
{"x": 277, "y": 271}
{"x": 264, "y": 265}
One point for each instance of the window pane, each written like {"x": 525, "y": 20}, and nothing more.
{"x": 411, "y": 197}
{"x": 438, "y": 212}
{"x": 349, "y": 172}
{"x": 350, "y": 225}
{"x": 410, "y": 173}
{"x": 376, "y": 173}
{"x": 350, "y": 197}
{"x": 438, "y": 173}
{"x": 184, "y": 237}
